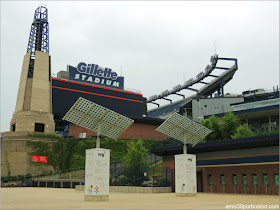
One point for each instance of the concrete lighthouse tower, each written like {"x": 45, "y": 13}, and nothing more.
{"x": 33, "y": 112}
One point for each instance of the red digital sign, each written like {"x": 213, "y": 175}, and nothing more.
{"x": 39, "y": 159}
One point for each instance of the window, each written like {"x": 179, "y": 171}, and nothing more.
{"x": 244, "y": 179}
{"x": 210, "y": 179}
{"x": 82, "y": 135}
{"x": 39, "y": 127}
{"x": 200, "y": 108}
{"x": 234, "y": 179}
{"x": 265, "y": 179}
{"x": 222, "y": 179}
{"x": 276, "y": 179}
{"x": 255, "y": 179}
{"x": 13, "y": 127}
{"x": 217, "y": 108}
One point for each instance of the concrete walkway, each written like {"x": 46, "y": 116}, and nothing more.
{"x": 56, "y": 198}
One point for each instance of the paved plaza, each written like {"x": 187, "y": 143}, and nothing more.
{"x": 56, "y": 198}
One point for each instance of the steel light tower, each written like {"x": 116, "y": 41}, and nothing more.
{"x": 33, "y": 112}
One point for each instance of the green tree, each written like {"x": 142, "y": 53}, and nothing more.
{"x": 229, "y": 125}
{"x": 136, "y": 162}
{"x": 136, "y": 157}
{"x": 242, "y": 131}
{"x": 212, "y": 123}
{"x": 79, "y": 152}
{"x": 117, "y": 148}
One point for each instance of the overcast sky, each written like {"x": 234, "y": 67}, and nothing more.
{"x": 156, "y": 44}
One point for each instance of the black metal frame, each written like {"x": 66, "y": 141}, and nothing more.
{"x": 39, "y": 32}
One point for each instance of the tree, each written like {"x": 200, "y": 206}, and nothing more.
{"x": 77, "y": 159}
{"x": 212, "y": 123}
{"x": 136, "y": 157}
{"x": 243, "y": 131}
{"x": 136, "y": 162}
{"x": 229, "y": 125}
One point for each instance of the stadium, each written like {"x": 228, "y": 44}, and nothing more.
{"x": 247, "y": 165}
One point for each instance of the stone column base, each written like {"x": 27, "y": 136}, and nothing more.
{"x": 185, "y": 194}
{"x": 96, "y": 197}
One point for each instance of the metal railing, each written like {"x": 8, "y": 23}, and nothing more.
{"x": 248, "y": 189}
{"x": 27, "y": 180}
{"x": 225, "y": 186}
{"x": 149, "y": 177}
{"x": 236, "y": 191}
{"x": 212, "y": 188}
{"x": 267, "y": 189}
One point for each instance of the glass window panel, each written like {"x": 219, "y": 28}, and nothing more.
{"x": 209, "y": 179}
{"x": 276, "y": 179}
{"x": 244, "y": 179}
{"x": 234, "y": 179}
{"x": 265, "y": 179}
{"x": 222, "y": 179}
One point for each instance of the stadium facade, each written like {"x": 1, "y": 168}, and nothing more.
{"x": 68, "y": 86}
{"x": 245, "y": 165}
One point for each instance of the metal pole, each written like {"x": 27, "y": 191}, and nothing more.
{"x": 185, "y": 145}
{"x": 153, "y": 175}
{"x": 98, "y": 134}
{"x": 269, "y": 123}
{"x": 199, "y": 110}
{"x": 124, "y": 176}
{"x": 166, "y": 176}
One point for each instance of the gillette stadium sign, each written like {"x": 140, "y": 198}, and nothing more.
{"x": 96, "y": 75}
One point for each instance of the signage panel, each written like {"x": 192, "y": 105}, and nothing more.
{"x": 97, "y": 172}
{"x": 39, "y": 159}
{"x": 96, "y": 75}
{"x": 185, "y": 173}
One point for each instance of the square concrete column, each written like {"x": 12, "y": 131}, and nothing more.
{"x": 185, "y": 175}
{"x": 97, "y": 174}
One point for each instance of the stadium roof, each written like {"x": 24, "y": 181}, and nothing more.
{"x": 206, "y": 90}
{"x": 168, "y": 108}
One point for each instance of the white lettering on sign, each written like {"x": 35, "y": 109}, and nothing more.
{"x": 95, "y": 70}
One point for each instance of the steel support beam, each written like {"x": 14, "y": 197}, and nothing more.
{"x": 154, "y": 103}
{"x": 167, "y": 99}
{"x": 180, "y": 95}
{"x": 204, "y": 83}
{"x": 223, "y": 68}
{"x": 213, "y": 75}
{"x": 192, "y": 89}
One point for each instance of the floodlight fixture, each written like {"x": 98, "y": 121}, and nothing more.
{"x": 97, "y": 118}
{"x": 183, "y": 129}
